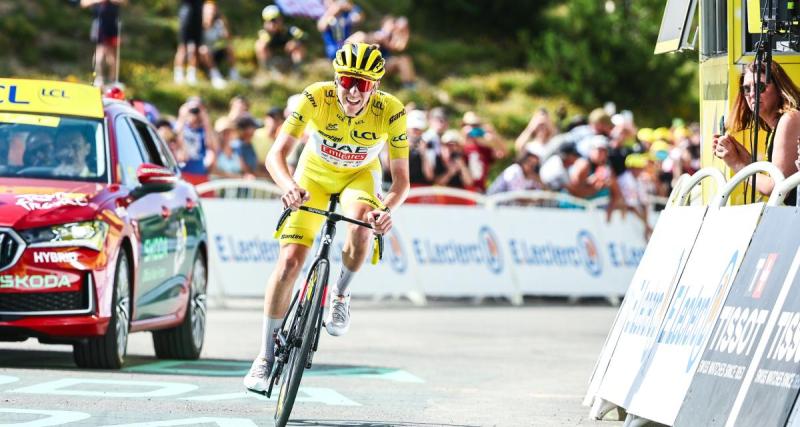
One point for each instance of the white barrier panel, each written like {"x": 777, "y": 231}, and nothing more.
{"x": 645, "y": 303}
{"x": 570, "y": 251}
{"x": 665, "y": 377}
{"x": 445, "y": 251}
{"x": 241, "y": 248}
{"x": 456, "y": 250}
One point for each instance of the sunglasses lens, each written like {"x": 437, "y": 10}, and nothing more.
{"x": 348, "y": 82}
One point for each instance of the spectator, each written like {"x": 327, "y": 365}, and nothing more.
{"x": 393, "y": 38}
{"x": 168, "y": 135}
{"x": 246, "y": 127}
{"x": 520, "y": 175}
{"x": 451, "y": 170}
{"x": 197, "y": 138}
{"x": 105, "y": 35}
{"x": 238, "y": 107}
{"x": 190, "y": 22}
{"x": 276, "y": 38}
{"x": 779, "y": 115}
{"x": 555, "y": 171}
{"x": 633, "y": 189}
{"x": 599, "y": 124}
{"x": 229, "y": 163}
{"x": 593, "y": 178}
{"x": 265, "y": 135}
{"x": 419, "y": 162}
{"x": 482, "y": 149}
{"x": 336, "y": 24}
{"x": 216, "y": 48}
{"x": 537, "y": 134}
{"x": 438, "y": 126}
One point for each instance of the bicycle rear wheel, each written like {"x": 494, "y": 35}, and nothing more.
{"x": 292, "y": 373}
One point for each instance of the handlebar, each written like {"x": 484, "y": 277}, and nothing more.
{"x": 377, "y": 250}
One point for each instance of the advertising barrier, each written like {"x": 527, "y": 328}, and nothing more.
{"x": 454, "y": 251}
{"x": 749, "y": 373}
{"x": 645, "y": 303}
{"x": 665, "y": 375}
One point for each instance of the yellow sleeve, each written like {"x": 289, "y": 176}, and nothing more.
{"x": 303, "y": 112}
{"x": 397, "y": 138}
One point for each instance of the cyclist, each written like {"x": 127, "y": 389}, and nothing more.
{"x": 350, "y": 121}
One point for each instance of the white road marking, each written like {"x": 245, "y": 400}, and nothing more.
{"x": 155, "y": 388}
{"x": 221, "y": 422}
{"x": 54, "y": 418}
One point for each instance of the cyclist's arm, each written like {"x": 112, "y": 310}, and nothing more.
{"x": 291, "y": 131}
{"x": 398, "y": 156}
{"x": 400, "y": 184}
{"x": 276, "y": 163}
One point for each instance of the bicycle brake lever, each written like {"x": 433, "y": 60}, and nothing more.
{"x": 377, "y": 249}
{"x": 281, "y": 222}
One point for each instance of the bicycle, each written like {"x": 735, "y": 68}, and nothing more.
{"x": 297, "y": 339}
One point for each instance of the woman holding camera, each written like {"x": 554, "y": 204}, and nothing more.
{"x": 778, "y": 116}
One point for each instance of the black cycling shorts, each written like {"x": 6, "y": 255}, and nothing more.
{"x": 190, "y": 20}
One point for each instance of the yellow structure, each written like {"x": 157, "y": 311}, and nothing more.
{"x": 725, "y": 33}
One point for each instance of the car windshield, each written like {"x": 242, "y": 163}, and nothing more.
{"x": 52, "y": 147}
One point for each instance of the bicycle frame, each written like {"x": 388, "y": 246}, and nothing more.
{"x": 285, "y": 341}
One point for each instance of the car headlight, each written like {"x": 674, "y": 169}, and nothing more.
{"x": 88, "y": 234}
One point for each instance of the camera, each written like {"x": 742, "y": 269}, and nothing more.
{"x": 194, "y": 110}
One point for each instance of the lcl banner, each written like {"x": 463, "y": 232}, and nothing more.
{"x": 645, "y": 303}
{"x": 749, "y": 373}
{"x": 696, "y": 304}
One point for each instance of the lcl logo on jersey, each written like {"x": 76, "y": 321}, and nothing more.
{"x": 365, "y": 135}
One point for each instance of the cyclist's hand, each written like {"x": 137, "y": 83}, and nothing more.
{"x": 380, "y": 220}
{"x": 294, "y": 198}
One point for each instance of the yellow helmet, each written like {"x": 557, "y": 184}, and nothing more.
{"x": 360, "y": 60}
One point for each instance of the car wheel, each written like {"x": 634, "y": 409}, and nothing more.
{"x": 185, "y": 341}
{"x": 108, "y": 351}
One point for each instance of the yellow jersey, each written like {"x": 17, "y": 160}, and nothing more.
{"x": 339, "y": 145}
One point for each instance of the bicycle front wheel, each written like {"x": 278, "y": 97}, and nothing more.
{"x": 301, "y": 347}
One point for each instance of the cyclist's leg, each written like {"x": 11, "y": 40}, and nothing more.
{"x": 296, "y": 240}
{"x": 358, "y": 199}
{"x": 361, "y": 196}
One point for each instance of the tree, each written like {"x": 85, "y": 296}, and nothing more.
{"x": 593, "y": 54}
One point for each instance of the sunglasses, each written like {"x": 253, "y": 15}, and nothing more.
{"x": 748, "y": 89}
{"x": 363, "y": 85}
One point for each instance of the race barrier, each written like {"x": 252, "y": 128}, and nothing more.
{"x": 648, "y": 296}
{"x": 485, "y": 250}
{"x": 711, "y": 342}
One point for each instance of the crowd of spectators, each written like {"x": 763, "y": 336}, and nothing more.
{"x": 602, "y": 155}
{"x": 205, "y": 41}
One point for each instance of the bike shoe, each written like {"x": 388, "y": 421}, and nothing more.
{"x": 257, "y": 379}
{"x": 338, "y": 321}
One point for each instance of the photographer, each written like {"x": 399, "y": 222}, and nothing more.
{"x": 420, "y": 162}
{"x": 196, "y": 137}
{"x": 521, "y": 175}
{"x": 451, "y": 170}
{"x": 778, "y": 115}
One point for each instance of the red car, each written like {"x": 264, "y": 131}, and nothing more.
{"x": 99, "y": 235}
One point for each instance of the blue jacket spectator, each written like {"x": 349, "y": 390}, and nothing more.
{"x": 336, "y": 25}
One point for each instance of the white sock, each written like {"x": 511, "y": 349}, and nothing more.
{"x": 191, "y": 75}
{"x": 343, "y": 284}
{"x": 268, "y": 331}
{"x": 215, "y": 74}
{"x": 177, "y": 73}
